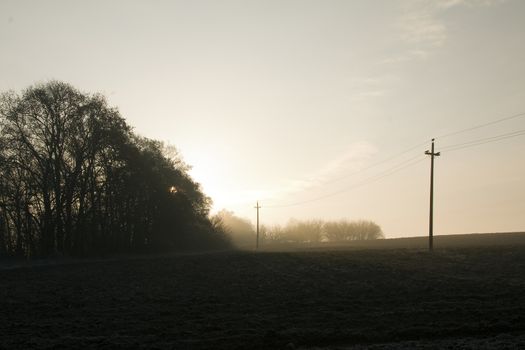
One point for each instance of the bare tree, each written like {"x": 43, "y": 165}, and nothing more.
{"x": 76, "y": 180}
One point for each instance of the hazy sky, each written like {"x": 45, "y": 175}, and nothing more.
{"x": 288, "y": 101}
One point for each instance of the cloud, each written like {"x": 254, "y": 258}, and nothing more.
{"x": 452, "y": 3}
{"x": 364, "y": 88}
{"x": 352, "y": 160}
{"x": 422, "y": 28}
{"x": 407, "y": 56}
{"x": 366, "y": 94}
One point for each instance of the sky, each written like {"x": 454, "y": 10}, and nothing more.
{"x": 319, "y": 109}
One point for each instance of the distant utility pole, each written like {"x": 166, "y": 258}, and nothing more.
{"x": 432, "y": 154}
{"x": 257, "y": 241}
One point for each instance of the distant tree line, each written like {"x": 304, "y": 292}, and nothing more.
{"x": 75, "y": 180}
{"x": 315, "y": 231}
{"x": 242, "y": 232}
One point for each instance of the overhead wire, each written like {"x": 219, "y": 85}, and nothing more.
{"x": 410, "y": 162}
{"x": 514, "y": 116}
{"x": 390, "y": 171}
{"x": 482, "y": 141}
{"x": 373, "y": 165}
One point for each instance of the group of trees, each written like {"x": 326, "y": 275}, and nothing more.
{"x": 315, "y": 231}
{"x": 240, "y": 230}
{"x": 75, "y": 179}
{"x": 243, "y": 234}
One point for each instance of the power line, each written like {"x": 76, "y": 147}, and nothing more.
{"x": 482, "y": 141}
{"x": 404, "y": 165}
{"x": 408, "y": 163}
{"x": 519, "y": 115}
{"x": 373, "y": 165}
{"x": 360, "y": 171}
{"x": 386, "y": 173}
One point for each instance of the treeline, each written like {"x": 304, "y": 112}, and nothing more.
{"x": 75, "y": 180}
{"x": 243, "y": 233}
{"x": 316, "y": 231}
{"x": 240, "y": 230}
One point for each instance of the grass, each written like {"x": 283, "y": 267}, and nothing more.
{"x": 382, "y": 298}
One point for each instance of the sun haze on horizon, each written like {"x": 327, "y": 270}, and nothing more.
{"x": 318, "y": 109}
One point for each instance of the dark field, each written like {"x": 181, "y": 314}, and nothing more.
{"x": 458, "y": 297}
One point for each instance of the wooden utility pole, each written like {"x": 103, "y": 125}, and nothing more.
{"x": 432, "y": 154}
{"x": 257, "y": 241}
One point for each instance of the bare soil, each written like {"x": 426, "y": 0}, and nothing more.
{"x": 458, "y": 297}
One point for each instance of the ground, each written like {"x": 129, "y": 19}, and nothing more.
{"x": 458, "y": 297}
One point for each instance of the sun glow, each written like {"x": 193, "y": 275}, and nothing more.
{"x": 211, "y": 173}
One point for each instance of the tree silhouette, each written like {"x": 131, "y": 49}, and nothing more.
{"x": 74, "y": 179}
{"x": 343, "y": 230}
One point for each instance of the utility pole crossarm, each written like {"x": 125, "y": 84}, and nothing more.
{"x": 432, "y": 154}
